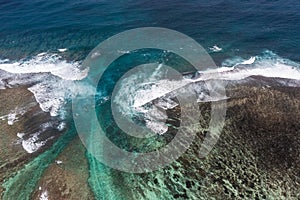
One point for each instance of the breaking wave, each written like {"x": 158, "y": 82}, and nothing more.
{"x": 55, "y": 81}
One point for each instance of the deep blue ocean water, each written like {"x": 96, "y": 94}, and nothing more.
{"x": 240, "y": 28}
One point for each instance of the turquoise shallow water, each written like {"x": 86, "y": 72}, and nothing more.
{"x": 241, "y": 29}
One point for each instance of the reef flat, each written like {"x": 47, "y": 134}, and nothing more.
{"x": 257, "y": 155}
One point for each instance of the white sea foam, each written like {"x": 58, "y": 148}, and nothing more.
{"x": 4, "y": 61}
{"x": 156, "y": 90}
{"x": 123, "y": 52}
{"x": 44, "y": 195}
{"x": 277, "y": 70}
{"x": 14, "y": 115}
{"x": 215, "y": 48}
{"x": 95, "y": 55}
{"x": 20, "y": 135}
{"x": 42, "y": 54}
{"x": 61, "y": 126}
{"x": 268, "y": 65}
{"x": 217, "y": 70}
{"x": 11, "y": 118}
{"x": 144, "y": 98}
{"x": 52, "y": 79}
{"x": 32, "y": 144}
{"x": 59, "y": 162}
{"x": 53, "y": 82}
{"x": 249, "y": 62}
{"x": 166, "y": 103}
{"x": 43, "y": 63}
{"x": 62, "y": 50}
{"x": 133, "y": 96}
